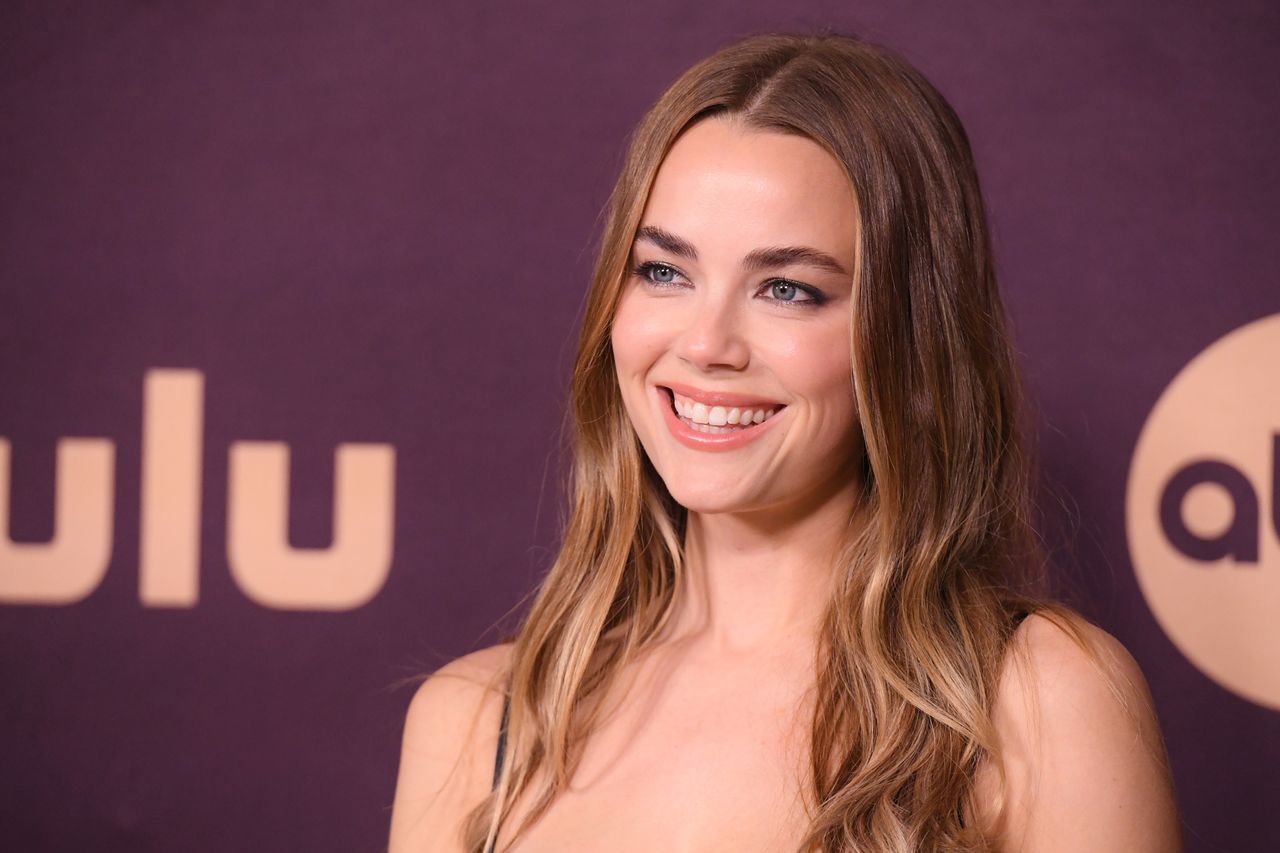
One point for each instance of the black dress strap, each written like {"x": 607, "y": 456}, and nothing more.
{"x": 501, "y": 754}
{"x": 502, "y": 741}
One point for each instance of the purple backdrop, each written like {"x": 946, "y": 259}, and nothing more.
{"x": 374, "y": 222}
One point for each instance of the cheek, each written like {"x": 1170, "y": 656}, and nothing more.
{"x": 818, "y": 364}
{"x": 818, "y": 369}
{"x": 637, "y": 338}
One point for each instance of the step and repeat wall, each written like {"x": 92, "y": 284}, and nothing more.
{"x": 288, "y": 300}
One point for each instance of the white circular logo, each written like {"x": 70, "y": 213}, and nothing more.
{"x": 1203, "y": 511}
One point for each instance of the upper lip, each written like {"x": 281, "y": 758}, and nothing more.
{"x": 720, "y": 398}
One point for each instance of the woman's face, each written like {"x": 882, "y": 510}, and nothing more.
{"x": 738, "y": 298}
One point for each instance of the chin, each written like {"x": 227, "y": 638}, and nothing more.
{"x": 708, "y": 501}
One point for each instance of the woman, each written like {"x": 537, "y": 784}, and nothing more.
{"x": 787, "y": 614}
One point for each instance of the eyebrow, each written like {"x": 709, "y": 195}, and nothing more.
{"x": 755, "y": 260}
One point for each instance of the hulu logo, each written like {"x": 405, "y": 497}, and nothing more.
{"x": 270, "y": 572}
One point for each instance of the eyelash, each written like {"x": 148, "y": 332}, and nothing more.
{"x": 816, "y": 297}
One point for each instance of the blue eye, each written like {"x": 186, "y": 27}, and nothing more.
{"x": 786, "y": 291}
{"x": 786, "y": 287}
{"x": 662, "y": 274}
{"x": 656, "y": 273}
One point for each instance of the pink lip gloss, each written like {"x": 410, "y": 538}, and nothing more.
{"x": 690, "y": 437}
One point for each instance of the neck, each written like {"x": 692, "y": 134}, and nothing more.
{"x": 761, "y": 580}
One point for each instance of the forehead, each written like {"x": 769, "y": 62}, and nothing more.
{"x": 724, "y": 185}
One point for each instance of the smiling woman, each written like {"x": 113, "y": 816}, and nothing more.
{"x": 795, "y": 607}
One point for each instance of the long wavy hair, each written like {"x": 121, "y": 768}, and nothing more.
{"x": 929, "y": 587}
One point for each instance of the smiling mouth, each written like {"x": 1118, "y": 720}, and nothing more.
{"x": 718, "y": 420}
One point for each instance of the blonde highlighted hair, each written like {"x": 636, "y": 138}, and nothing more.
{"x": 930, "y": 584}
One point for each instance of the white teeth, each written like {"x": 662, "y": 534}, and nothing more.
{"x": 719, "y": 416}
{"x": 714, "y": 430}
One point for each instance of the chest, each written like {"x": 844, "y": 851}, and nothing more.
{"x": 718, "y": 766}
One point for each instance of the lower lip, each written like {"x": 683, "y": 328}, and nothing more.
{"x": 690, "y": 437}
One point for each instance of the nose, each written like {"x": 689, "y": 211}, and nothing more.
{"x": 713, "y": 335}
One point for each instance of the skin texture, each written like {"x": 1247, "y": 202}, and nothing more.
{"x": 703, "y": 743}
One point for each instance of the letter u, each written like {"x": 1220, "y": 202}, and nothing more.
{"x": 343, "y": 576}
{"x": 71, "y": 565}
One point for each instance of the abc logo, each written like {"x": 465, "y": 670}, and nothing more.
{"x": 1203, "y": 511}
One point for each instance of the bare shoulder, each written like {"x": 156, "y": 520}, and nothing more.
{"x": 1081, "y": 744}
{"x": 447, "y": 751}
{"x": 1056, "y": 668}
